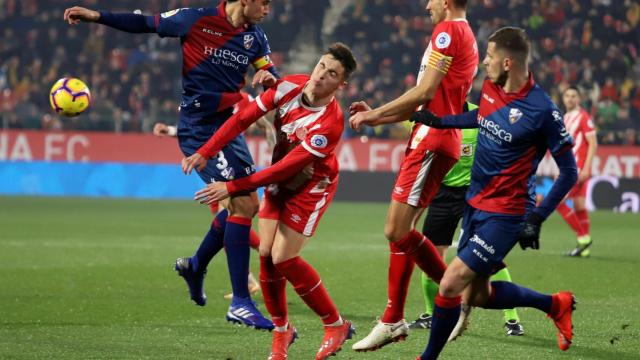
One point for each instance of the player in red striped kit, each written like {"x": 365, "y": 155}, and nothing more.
{"x": 446, "y": 74}
{"x": 579, "y": 124}
{"x": 309, "y": 123}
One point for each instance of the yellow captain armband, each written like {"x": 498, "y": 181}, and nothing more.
{"x": 262, "y": 62}
{"x": 440, "y": 62}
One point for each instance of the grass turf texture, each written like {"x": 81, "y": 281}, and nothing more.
{"x": 93, "y": 278}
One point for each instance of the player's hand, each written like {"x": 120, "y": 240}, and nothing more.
{"x": 195, "y": 161}
{"x": 162, "y": 130}
{"x": 308, "y": 171}
{"x": 357, "y": 107}
{"x": 215, "y": 191}
{"x": 529, "y": 236}
{"x": 77, "y": 14}
{"x": 357, "y": 120}
{"x": 264, "y": 78}
{"x": 425, "y": 117}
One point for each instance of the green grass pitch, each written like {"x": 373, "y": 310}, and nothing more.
{"x": 93, "y": 279}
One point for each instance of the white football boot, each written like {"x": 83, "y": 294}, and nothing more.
{"x": 381, "y": 335}
{"x": 463, "y": 322}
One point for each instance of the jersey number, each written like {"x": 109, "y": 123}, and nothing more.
{"x": 222, "y": 162}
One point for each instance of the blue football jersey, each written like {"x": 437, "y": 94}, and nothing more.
{"x": 515, "y": 132}
{"x": 216, "y": 57}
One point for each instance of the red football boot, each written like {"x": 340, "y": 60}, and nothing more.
{"x": 334, "y": 337}
{"x": 562, "y": 306}
{"x": 281, "y": 342}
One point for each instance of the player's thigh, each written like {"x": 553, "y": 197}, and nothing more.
{"x": 420, "y": 176}
{"x": 456, "y": 278}
{"x": 401, "y": 218}
{"x": 487, "y": 238}
{"x": 234, "y": 161}
{"x": 267, "y": 230}
{"x": 287, "y": 243}
{"x": 302, "y": 211}
{"x": 243, "y": 205}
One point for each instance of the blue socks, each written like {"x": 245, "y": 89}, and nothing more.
{"x": 211, "y": 244}
{"x": 507, "y": 295}
{"x": 236, "y": 242}
{"x": 445, "y": 316}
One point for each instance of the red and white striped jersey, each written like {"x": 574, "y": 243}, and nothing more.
{"x": 318, "y": 130}
{"x": 312, "y": 131}
{"x": 578, "y": 123}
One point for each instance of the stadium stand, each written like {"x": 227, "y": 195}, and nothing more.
{"x": 135, "y": 79}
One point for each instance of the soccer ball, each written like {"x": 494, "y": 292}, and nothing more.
{"x": 69, "y": 97}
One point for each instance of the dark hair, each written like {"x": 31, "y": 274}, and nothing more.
{"x": 343, "y": 54}
{"x": 514, "y": 41}
{"x": 460, "y": 4}
{"x": 574, "y": 88}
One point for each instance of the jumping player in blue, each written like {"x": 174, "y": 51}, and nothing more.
{"x": 517, "y": 124}
{"x": 218, "y": 46}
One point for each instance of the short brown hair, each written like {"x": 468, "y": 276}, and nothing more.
{"x": 343, "y": 54}
{"x": 460, "y": 4}
{"x": 514, "y": 41}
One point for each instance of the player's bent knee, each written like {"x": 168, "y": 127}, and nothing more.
{"x": 264, "y": 251}
{"x": 448, "y": 287}
{"x": 280, "y": 257}
{"x": 394, "y": 233}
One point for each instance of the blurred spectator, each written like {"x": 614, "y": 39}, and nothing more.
{"x": 135, "y": 80}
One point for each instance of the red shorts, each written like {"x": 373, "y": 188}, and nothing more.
{"x": 579, "y": 190}
{"x": 420, "y": 176}
{"x": 300, "y": 210}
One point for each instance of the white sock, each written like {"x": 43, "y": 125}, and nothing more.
{"x": 282, "y": 328}
{"x": 337, "y": 323}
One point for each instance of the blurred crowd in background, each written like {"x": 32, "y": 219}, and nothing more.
{"x": 135, "y": 79}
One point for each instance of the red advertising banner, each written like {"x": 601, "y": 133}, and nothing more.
{"x": 353, "y": 154}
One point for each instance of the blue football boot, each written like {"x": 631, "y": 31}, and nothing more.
{"x": 244, "y": 311}
{"x": 195, "y": 280}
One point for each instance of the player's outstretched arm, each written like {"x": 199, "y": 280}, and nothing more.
{"x": 293, "y": 163}
{"x": 467, "y": 120}
{"x": 129, "y": 22}
{"x": 401, "y": 108}
{"x": 77, "y": 14}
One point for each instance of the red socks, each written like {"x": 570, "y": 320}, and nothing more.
{"x": 306, "y": 282}
{"x": 424, "y": 254}
{"x": 400, "y": 270}
{"x": 571, "y": 218}
{"x": 583, "y": 217}
{"x": 273, "y": 290}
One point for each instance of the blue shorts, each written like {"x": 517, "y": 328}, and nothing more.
{"x": 233, "y": 162}
{"x": 487, "y": 238}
